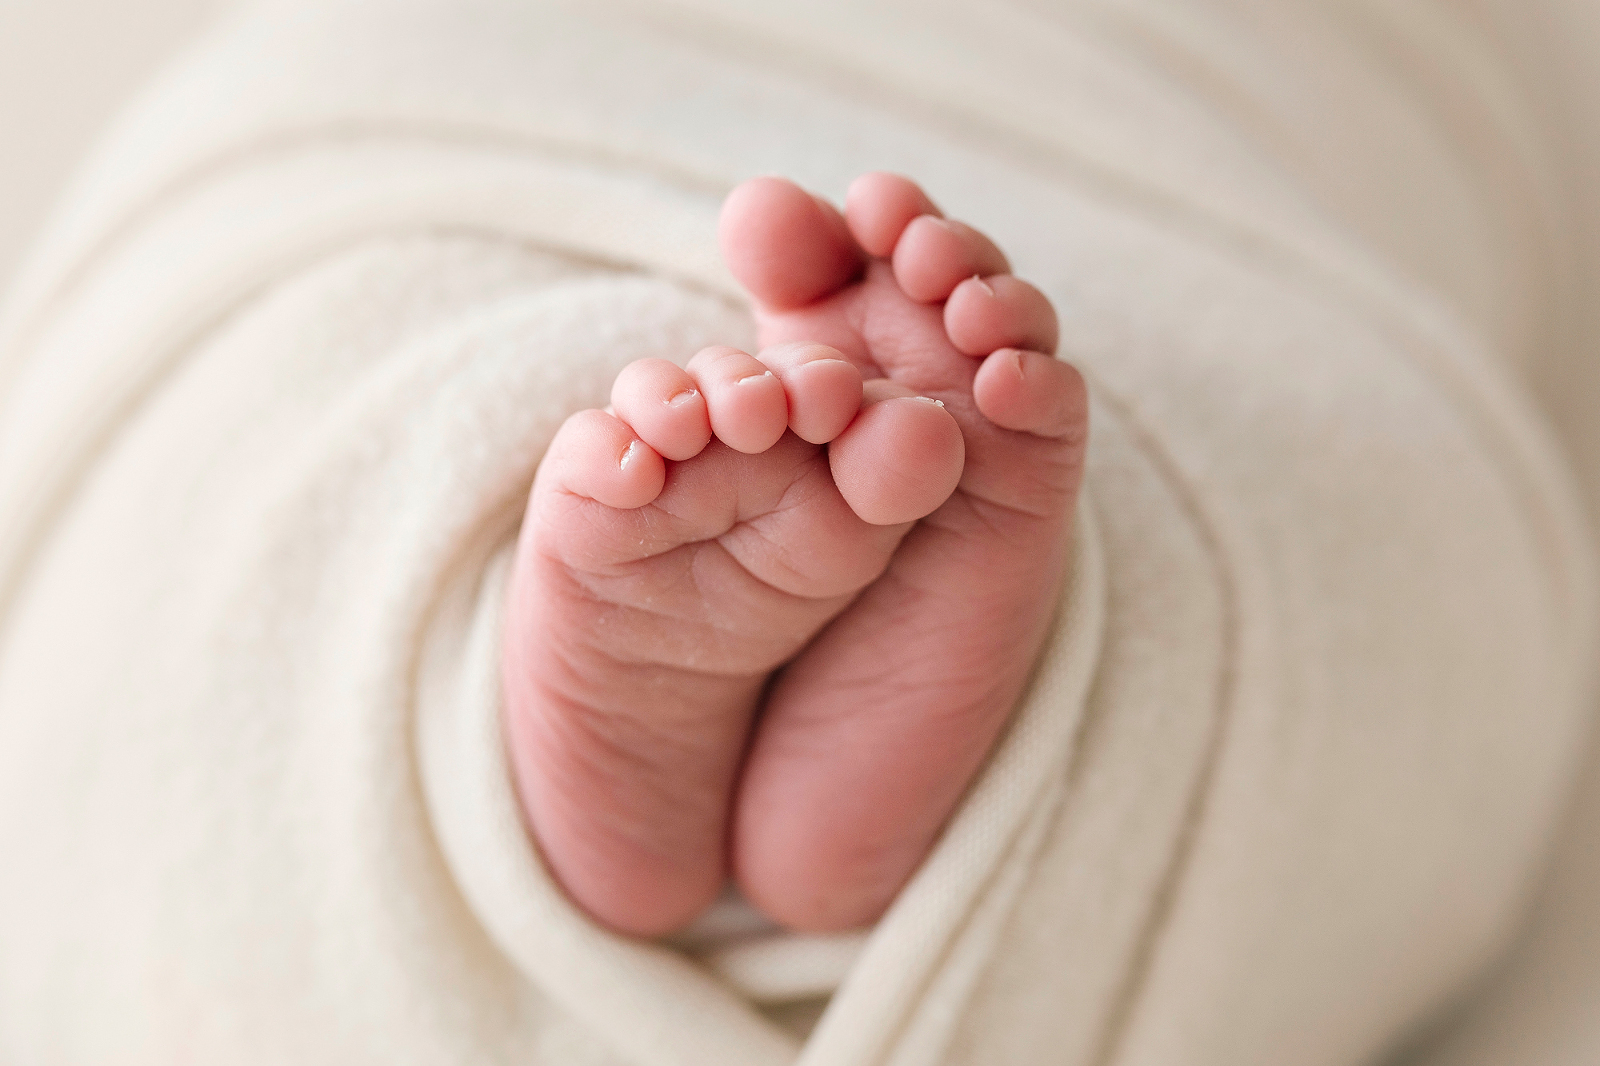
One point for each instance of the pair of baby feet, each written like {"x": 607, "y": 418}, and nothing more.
{"x": 770, "y": 611}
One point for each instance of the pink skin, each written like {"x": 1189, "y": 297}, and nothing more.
{"x": 806, "y": 524}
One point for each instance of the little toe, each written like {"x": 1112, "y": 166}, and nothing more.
{"x": 1002, "y": 311}
{"x": 598, "y": 457}
{"x": 899, "y": 460}
{"x": 878, "y": 207}
{"x": 823, "y": 387}
{"x": 934, "y": 255}
{"x": 1031, "y": 393}
{"x": 662, "y": 404}
{"x": 784, "y": 245}
{"x": 745, "y": 402}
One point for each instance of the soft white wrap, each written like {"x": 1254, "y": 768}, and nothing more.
{"x": 272, "y": 396}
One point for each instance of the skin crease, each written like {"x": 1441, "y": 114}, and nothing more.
{"x": 770, "y": 611}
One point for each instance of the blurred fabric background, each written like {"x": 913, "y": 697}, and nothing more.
{"x": 66, "y": 66}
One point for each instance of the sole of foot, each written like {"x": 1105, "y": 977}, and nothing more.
{"x": 869, "y": 737}
{"x": 770, "y": 612}
{"x": 678, "y": 548}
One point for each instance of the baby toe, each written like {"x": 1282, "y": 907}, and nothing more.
{"x": 662, "y": 404}
{"x": 988, "y": 313}
{"x": 878, "y": 207}
{"x": 745, "y": 402}
{"x": 787, "y": 247}
{"x": 1031, "y": 393}
{"x": 598, "y": 457}
{"x": 823, "y": 388}
{"x": 898, "y": 461}
{"x": 934, "y": 255}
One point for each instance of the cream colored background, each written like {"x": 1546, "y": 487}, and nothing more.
{"x": 66, "y": 66}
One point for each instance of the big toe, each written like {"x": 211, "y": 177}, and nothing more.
{"x": 787, "y": 247}
{"x": 900, "y": 459}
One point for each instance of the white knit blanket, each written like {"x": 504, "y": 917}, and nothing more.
{"x": 273, "y": 394}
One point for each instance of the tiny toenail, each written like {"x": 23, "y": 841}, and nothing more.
{"x": 928, "y": 399}
{"x": 627, "y": 456}
{"x": 753, "y": 377}
{"x": 678, "y": 399}
{"x": 984, "y": 285}
{"x": 1016, "y": 357}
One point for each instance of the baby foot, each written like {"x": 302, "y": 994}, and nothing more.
{"x": 869, "y": 737}
{"x": 677, "y": 549}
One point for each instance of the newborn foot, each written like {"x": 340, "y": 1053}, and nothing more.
{"x": 677, "y": 549}
{"x": 868, "y": 738}
{"x": 680, "y": 549}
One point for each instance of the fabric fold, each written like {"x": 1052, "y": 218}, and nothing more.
{"x": 271, "y": 398}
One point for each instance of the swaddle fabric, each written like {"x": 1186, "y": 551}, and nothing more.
{"x": 273, "y": 393}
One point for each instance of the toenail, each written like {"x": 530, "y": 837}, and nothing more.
{"x": 753, "y": 377}
{"x": 927, "y": 399}
{"x": 627, "y": 456}
{"x": 678, "y": 399}
{"x": 984, "y": 285}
